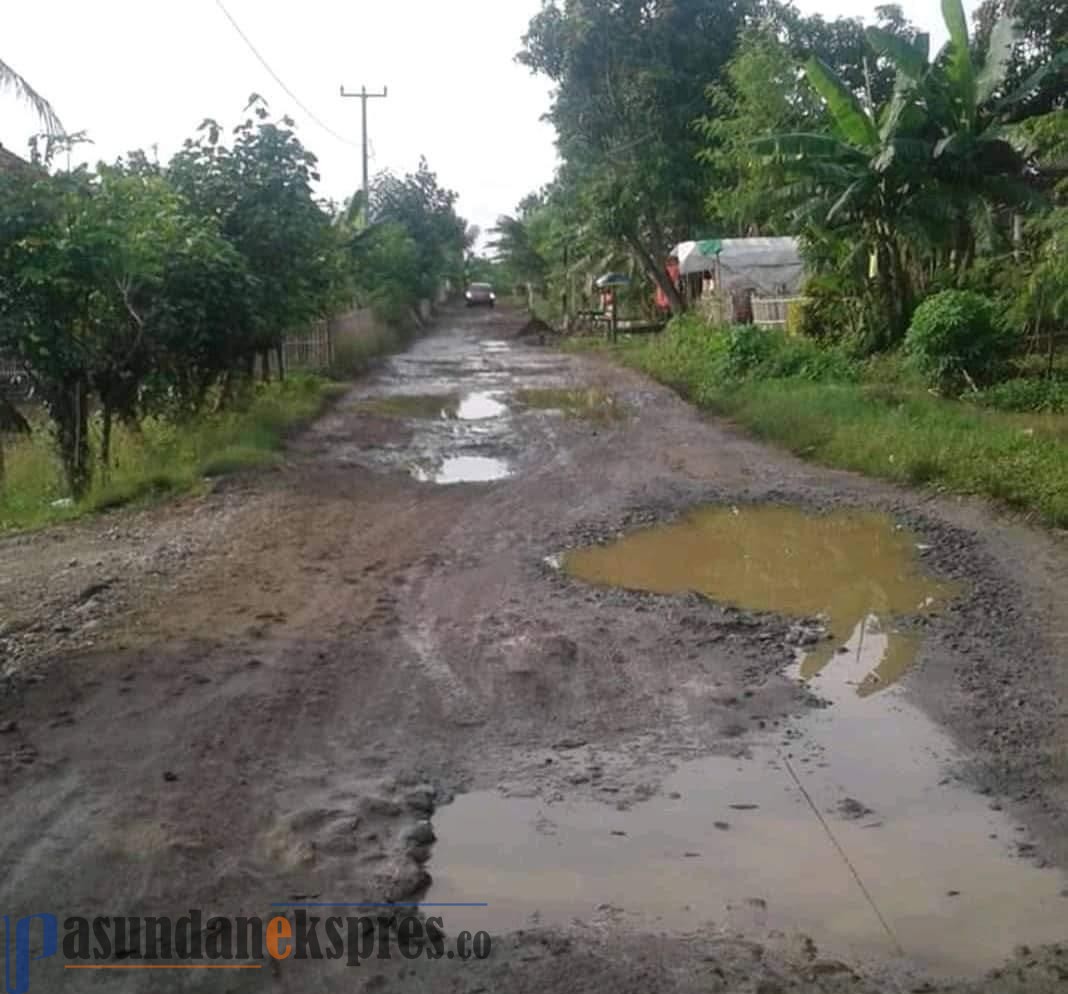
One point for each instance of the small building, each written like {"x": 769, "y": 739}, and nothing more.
{"x": 723, "y": 276}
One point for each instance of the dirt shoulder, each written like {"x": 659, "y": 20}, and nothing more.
{"x": 253, "y": 696}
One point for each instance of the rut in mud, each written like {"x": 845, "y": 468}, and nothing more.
{"x": 686, "y": 713}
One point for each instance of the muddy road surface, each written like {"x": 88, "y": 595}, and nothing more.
{"x": 518, "y": 640}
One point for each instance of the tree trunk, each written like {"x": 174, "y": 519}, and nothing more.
{"x": 105, "y": 443}
{"x": 265, "y": 358}
{"x": 657, "y": 274}
{"x": 280, "y": 354}
{"x": 70, "y": 412}
{"x": 226, "y": 391}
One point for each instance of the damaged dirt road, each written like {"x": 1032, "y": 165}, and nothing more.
{"x": 832, "y": 760}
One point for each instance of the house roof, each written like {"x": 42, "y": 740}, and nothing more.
{"x": 9, "y": 162}
{"x": 766, "y": 264}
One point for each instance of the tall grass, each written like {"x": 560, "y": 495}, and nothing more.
{"x": 872, "y": 417}
{"x": 159, "y": 456}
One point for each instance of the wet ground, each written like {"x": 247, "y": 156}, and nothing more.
{"x": 684, "y": 713}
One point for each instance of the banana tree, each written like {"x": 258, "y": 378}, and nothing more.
{"x": 863, "y": 179}
{"x": 976, "y": 169}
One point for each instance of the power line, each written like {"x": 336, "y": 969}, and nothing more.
{"x": 278, "y": 79}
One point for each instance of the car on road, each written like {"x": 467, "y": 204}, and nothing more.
{"x": 480, "y": 295}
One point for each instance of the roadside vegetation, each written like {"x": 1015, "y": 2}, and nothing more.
{"x": 874, "y": 415}
{"x": 928, "y": 191}
{"x": 144, "y": 305}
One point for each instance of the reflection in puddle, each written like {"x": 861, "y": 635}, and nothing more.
{"x": 429, "y": 405}
{"x": 741, "y": 847}
{"x": 476, "y": 406}
{"x": 465, "y": 469}
{"x": 591, "y": 403}
{"x": 855, "y": 569}
{"x": 479, "y": 406}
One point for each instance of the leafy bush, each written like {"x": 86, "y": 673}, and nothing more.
{"x": 698, "y": 358}
{"x": 1027, "y": 396}
{"x": 747, "y": 349}
{"x": 802, "y": 358}
{"x": 956, "y": 340}
{"x": 831, "y": 310}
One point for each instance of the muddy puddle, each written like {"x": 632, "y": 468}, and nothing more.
{"x": 591, "y": 403}
{"x": 464, "y": 469}
{"x": 844, "y": 825}
{"x": 478, "y": 405}
{"x": 856, "y": 571}
{"x": 920, "y": 874}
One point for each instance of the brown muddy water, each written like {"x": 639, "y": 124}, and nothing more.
{"x": 855, "y": 570}
{"x": 844, "y": 826}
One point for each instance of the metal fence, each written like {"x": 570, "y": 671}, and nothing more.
{"x": 10, "y": 370}
{"x": 312, "y": 349}
{"x": 315, "y": 348}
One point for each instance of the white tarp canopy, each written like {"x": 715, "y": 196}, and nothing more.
{"x": 770, "y": 266}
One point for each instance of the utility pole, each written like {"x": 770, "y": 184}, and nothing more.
{"x": 364, "y": 96}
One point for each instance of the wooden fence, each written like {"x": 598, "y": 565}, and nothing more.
{"x": 775, "y": 312}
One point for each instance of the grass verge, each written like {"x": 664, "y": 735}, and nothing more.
{"x": 159, "y": 457}
{"x": 866, "y": 422}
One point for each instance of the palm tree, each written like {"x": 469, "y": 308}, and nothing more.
{"x": 516, "y": 249}
{"x": 9, "y": 79}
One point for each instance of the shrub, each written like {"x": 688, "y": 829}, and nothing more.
{"x": 747, "y": 348}
{"x": 1027, "y": 396}
{"x": 831, "y": 310}
{"x": 956, "y": 340}
{"x": 801, "y": 358}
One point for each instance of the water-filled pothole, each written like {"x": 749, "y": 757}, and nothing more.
{"x": 855, "y": 569}
{"x": 464, "y": 469}
{"x": 478, "y": 405}
{"x": 920, "y": 871}
{"x": 843, "y": 826}
{"x": 590, "y": 403}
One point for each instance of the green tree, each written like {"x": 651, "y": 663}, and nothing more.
{"x": 1043, "y": 30}
{"x": 387, "y": 268}
{"x": 759, "y": 95}
{"x": 629, "y": 79}
{"x": 260, "y": 192}
{"x": 46, "y": 302}
{"x": 427, "y": 213}
{"x": 514, "y": 243}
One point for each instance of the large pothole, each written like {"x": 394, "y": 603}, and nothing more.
{"x": 844, "y": 825}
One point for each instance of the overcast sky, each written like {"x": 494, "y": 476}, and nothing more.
{"x": 133, "y": 73}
